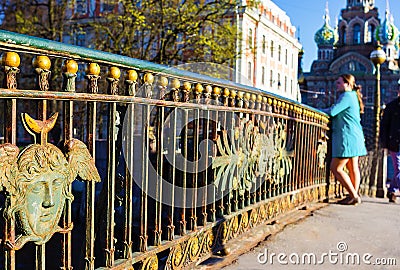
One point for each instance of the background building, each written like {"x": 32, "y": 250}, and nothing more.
{"x": 346, "y": 48}
{"x": 269, "y": 50}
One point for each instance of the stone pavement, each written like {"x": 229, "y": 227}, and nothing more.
{"x": 335, "y": 236}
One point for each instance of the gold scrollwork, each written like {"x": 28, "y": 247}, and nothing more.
{"x": 253, "y": 217}
{"x": 263, "y": 212}
{"x": 177, "y": 257}
{"x": 244, "y": 220}
{"x": 150, "y": 263}
{"x": 235, "y": 225}
{"x": 194, "y": 248}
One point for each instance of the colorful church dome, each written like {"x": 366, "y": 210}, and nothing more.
{"x": 326, "y": 35}
{"x": 387, "y": 31}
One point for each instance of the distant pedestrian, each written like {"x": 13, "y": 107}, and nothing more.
{"x": 390, "y": 140}
{"x": 347, "y": 135}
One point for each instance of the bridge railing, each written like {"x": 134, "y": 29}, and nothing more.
{"x": 109, "y": 162}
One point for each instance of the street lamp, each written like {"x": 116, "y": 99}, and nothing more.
{"x": 378, "y": 57}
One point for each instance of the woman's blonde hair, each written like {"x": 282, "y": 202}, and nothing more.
{"x": 348, "y": 78}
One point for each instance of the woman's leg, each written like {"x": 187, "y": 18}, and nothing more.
{"x": 337, "y": 166}
{"x": 354, "y": 172}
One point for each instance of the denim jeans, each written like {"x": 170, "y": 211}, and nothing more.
{"x": 395, "y": 183}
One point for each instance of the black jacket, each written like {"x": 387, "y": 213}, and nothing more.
{"x": 390, "y": 126}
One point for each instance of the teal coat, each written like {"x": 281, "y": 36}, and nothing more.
{"x": 347, "y": 134}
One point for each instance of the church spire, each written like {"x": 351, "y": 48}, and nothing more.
{"x": 326, "y": 16}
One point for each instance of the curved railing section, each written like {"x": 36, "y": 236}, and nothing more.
{"x": 109, "y": 162}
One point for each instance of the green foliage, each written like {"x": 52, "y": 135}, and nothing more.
{"x": 169, "y": 31}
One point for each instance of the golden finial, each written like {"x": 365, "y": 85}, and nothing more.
{"x": 114, "y": 72}
{"x": 131, "y": 75}
{"x": 148, "y": 78}
{"x": 175, "y": 83}
{"x": 10, "y": 59}
{"x": 41, "y": 61}
{"x": 93, "y": 69}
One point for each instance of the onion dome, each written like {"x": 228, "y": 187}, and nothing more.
{"x": 326, "y": 35}
{"x": 387, "y": 31}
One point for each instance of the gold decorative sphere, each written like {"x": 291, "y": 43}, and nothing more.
{"x": 208, "y": 89}
{"x": 240, "y": 94}
{"x": 253, "y": 97}
{"x": 148, "y": 78}
{"x": 41, "y": 61}
{"x": 259, "y": 98}
{"x": 10, "y": 59}
{"x": 198, "y": 88}
{"x": 265, "y": 100}
{"x": 269, "y": 101}
{"x": 217, "y": 91}
{"x": 226, "y": 92}
{"x": 187, "y": 86}
{"x": 247, "y": 96}
{"x": 93, "y": 69}
{"x": 131, "y": 75}
{"x": 70, "y": 66}
{"x": 163, "y": 81}
{"x": 114, "y": 72}
{"x": 175, "y": 83}
{"x": 233, "y": 93}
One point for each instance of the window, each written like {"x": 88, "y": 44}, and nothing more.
{"x": 250, "y": 38}
{"x": 263, "y": 44}
{"x": 343, "y": 35}
{"x": 263, "y": 75}
{"x": 279, "y": 80}
{"x": 286, "y": 56}
{"x": 80, "y": 39}
{"x": 272, "y": 48}
{"x": 357, "y": 34}
{"x": 249, "y": 71}
{"x": 279, "y": 52}
{"x": 370, "y": 34}
{"x": 271, "y": 81}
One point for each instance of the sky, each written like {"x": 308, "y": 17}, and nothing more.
{"x": 307, "y": 17}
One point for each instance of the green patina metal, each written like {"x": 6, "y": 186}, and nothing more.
{"x": 38, "y": 180}
{"x": 253, "y": 151}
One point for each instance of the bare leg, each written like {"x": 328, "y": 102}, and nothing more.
{"x": 337, "y": 166}
{"x": 354, "y": 172}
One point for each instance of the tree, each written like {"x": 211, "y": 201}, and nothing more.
{"x": 39, "y": 18}
{"x": 169, "y": 31}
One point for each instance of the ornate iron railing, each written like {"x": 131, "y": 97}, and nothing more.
{"x": 158, "y": 169}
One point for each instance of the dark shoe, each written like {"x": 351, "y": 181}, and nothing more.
{"x": 350, "y": 201}
{"x": 392, "y": 197}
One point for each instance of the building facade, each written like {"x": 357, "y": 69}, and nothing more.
{"x": 269, "y": 50}
{"x": 346, "y": 48}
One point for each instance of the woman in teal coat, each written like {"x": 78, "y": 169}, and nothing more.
{"x": 347, "y": 135}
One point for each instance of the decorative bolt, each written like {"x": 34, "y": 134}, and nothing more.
{"x": 10, "y": 59}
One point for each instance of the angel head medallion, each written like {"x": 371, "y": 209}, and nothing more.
{"x": 38, "y": 180}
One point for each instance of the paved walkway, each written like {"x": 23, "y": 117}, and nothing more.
{"x": 370, "y": 232}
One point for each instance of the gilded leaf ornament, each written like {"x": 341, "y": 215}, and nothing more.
{"x": 250, "y": 151}
{"x": 37, "y": 182}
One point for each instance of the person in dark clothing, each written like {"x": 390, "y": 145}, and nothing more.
{"x": 390, "y": 140}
